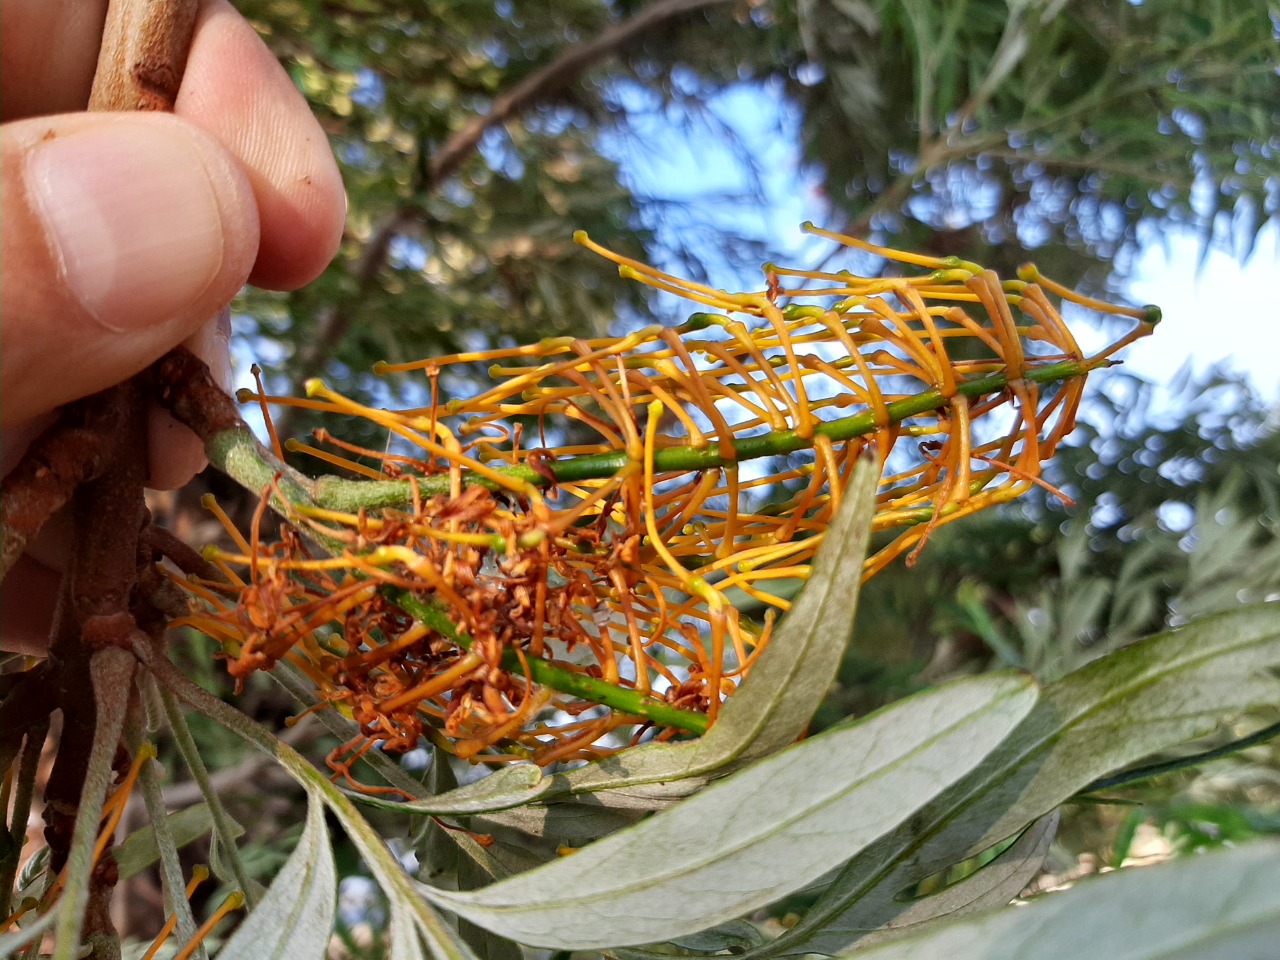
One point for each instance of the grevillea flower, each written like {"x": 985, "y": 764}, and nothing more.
{"x": 572, "y": 550}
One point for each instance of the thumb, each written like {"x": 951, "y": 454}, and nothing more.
{"x": 123, "y": 232}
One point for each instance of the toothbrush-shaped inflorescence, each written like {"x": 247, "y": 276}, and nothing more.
{"x": 575, "y": 549}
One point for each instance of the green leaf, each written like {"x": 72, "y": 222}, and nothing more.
{"x": 575, "y": 821}
{"x": 139, "y": 849}
{"x": 992, "y": 885}
{"x": 773, "y": 706}
{"x": 1147, "y": 697}
{"x": 1218, "y": 905}
{"x": 416, "y": 930}
{"x": 734, "y": 937}
{"x": 486, "y": 944}
{"x": 759, "y": 834}
{"x": 510, "y": 786}
{"x": 295, "y": 918}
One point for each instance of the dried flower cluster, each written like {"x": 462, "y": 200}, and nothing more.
{"x": 682, "y": 475}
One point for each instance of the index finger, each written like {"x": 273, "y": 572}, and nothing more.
{"x": 236, "y": 90}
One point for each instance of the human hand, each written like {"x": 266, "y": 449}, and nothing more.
{"x": 125, "y": 233}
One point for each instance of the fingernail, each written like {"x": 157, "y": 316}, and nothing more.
{"x": 212, "y": 344}
{"x": 221, "y": 365}
{"x": 133, "y": 218}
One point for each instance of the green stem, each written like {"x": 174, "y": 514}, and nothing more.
{"x": 623, "y": 699}
{"x": 170, "y": 865}
{"x": 338, "y": 493}
{"x": 111, "y": 671}
{"x": 222, "y": 824}
{"x": 238, "y": 454}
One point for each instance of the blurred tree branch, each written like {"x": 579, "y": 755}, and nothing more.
{"x": 538, "y": 86}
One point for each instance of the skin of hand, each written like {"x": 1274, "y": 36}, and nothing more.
{"x": 125, "y": 233}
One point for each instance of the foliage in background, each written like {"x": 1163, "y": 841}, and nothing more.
{"x": 965, "y": 128}
{"x": 1046, "y": 125}
{"x": 978, "y": 128}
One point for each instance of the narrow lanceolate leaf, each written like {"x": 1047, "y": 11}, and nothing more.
{"x": 733, "y": 937}
{"x": 416, "y": 929}
{"x": 405, "y": 939}
{"x": 994, "y": 885}
{"x": 759, "y": 834}
{"x": 1144, "y": 698}
{"x": 575, "y": 821}
{"x": 295, "y": 919}
{"x": 773, "y": 706}
{"x": 1220, "y": 905}
{"x": 509, "y": 786}
{"x": 140, "y": 850}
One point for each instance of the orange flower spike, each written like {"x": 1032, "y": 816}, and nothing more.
{"x": 297, "y": 446}
{"x": 697, "y": 439}
{"x": 1037, "y": 306}
{"x": 1031, "y": 274}
{"x": 302, "y": 403}
{"x": 752, "y": 557}
{"x": 210, "y": 503}
{"x": 991, "y": 294}
{"x": 720, "y": 299}
{"x": 113, "y": 809}
{"x": 825, "y": 452}
{"x": 611, "y": 401}
{"x": 946, "y": 383}
{"x": 1070, "y": 396}
{"x": 541, "y": 348}
{"x": 800, "y": 507}
{"x": 266, "y": 412}
{"x": 752, "y": 377}
{"x": 917, "y": 259}
{"x": 664, "y": 281}
{"x": 697, "y": 389}
{"x": 694, "y": 585}
{"x": 971, "y": 327}
{"x": 568, "y": 747}
{"x": 804, "y": 419}
{"x": 529, "y": 707}
{"x": 728, "y": 542}
{"x": 703, "y": 487}
{"x": 853, "y": 391}
{"x": 518, "y": 379}
{"x": 393, "y": 422}
{"x": 773, "y": 390}
{"x": 961, "y": 460}
{"x": 918, "y": 361}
